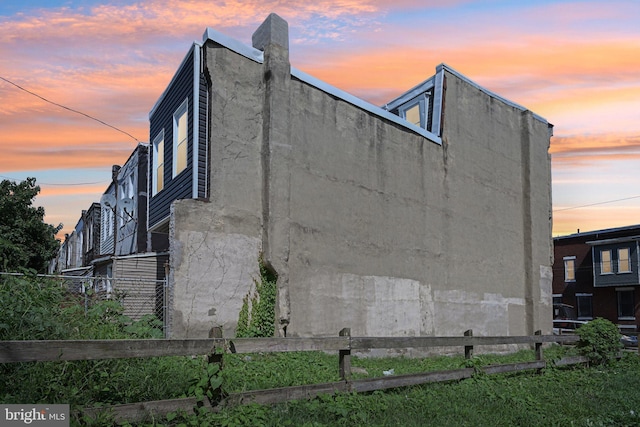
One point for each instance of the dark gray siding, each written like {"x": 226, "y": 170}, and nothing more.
{"x": 615, "y": 278}
{"x": 202, "y": 139}
{"x": 181, "y": 186}
{"x": 141, "y": 194}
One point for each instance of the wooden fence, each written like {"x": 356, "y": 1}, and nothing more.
{"x": 215, "y": 348}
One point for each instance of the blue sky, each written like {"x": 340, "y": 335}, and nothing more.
{"x": 576, "y": 63}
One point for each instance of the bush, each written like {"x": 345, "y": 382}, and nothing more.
{"x": 36, "y": 309}
{"x": 599, "y": 340}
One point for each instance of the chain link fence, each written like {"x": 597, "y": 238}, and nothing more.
{"x": 139, "y": 296}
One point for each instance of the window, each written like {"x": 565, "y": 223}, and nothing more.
{"x": 569, "y": 269}
{"x": 89, "y": 238}
{"x": 605, "y": 262}
{"x": 180, "y": 140}
{"x": 158, "y": 164}
{"x": 124, "y": 189}
{"x": 107, "y": 221}
{"x": 624, "y": 262}
{"x": 584, "y": 304}
{"x": 415, "y": 111}
{"x": 626, "y": 304}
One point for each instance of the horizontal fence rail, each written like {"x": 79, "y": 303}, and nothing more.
{"x": 50, "y": 350}
{"x": 215, "y": 348}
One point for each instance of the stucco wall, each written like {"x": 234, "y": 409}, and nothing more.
{"x": 423, "y": 238}
{"x": 215, "y": 245}
{"x": 368, "y": 224}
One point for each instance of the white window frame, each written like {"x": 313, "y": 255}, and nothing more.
{"x": 602, "y": 272}
{"x": 182, "y": 109}
{"x": 154, "y": 180}
{"x": 422, "y": 102}
{"x": 566, "y": 269}
{"x": 628, "y": 270}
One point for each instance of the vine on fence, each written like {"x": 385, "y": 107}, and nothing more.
{"x": 257, "y": 315}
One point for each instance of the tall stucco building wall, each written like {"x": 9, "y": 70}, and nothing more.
{"x": 215, "y": 244}
{"x": 368, "y": 224}
{"x": 391, "y": 234}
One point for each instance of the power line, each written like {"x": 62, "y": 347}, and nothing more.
{"x": 596, "y": 204}
{"x": 70, "y": 109}
{"x": 61, "y": 184}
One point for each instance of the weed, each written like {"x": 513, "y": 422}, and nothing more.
{"x": 257, "y": 315}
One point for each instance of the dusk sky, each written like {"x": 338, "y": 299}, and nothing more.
{"x": 575, "y": 63}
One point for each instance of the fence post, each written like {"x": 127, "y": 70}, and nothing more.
{"x": 345, "y": 356}
{"x": 468, "y": 349}
{"x": 539, "y": 355}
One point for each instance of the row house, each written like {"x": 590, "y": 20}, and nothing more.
{"x": 110, "y": 246}
{"x": 377, "y": 218}
{"x": 597, "y": 273}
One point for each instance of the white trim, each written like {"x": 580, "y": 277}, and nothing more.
{"x": 410, "y": 94}
{"x": 490, "y": 93}
{"x": 154, "y": 166}
{"x": 602, "y": 272}
{"x": 159, "y": 224}
{"x": 234, "y": 45}
{"x": 175, "y": 76}
{"x": 438, "y": 82}
{"x": 331, "y": 90}
{"x": 564, "y": 261}
{"x": 628, "y": 249}
{"x": 422, "y": 102}
{"x": 182, "y": 109}
{"x": 141, "y": 255}
{"x": 438, "y": 97}
{"x": 196, "y": 119}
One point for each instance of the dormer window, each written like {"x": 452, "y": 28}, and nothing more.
{"x": 415, "y": 111}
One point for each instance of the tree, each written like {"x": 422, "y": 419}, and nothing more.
{"x": 26, "y": 241}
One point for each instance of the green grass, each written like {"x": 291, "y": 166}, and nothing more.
{"x": 597, "y": 396}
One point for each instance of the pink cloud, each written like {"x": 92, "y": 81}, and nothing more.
{"x": 114, "y": 61}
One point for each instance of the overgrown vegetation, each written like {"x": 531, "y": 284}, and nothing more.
{"x": 555, "y": 397}
{"x": 257, "y": 315}
{"x": 32, "y": 309}
{"x": 599, "y": 340}
{"x": 37, "y": 309}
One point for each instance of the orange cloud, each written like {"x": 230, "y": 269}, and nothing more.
{"x": 529, "y": 62}
{"x": 587, "y": 150}
{"x": 93, "y": 190}
{"x": 594, "y": 218}
{"x": 113, "y": 61}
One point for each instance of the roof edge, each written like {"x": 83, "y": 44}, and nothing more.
{"x": 488, "y": 92}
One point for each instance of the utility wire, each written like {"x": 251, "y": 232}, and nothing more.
{"x": 596, "y": 204}
{"x": 48, "y": 183}
{"x": 70, "y": 109}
